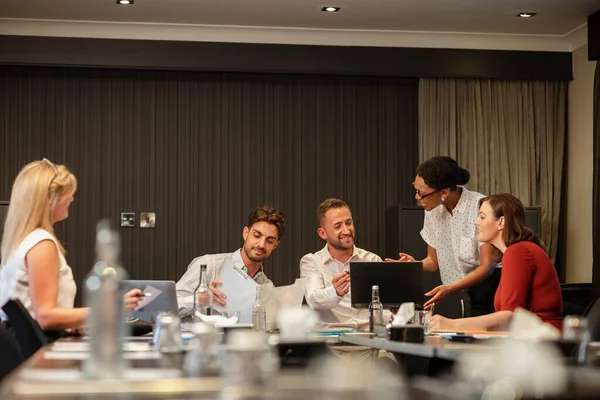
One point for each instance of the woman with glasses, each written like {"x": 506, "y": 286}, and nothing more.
{"x": 451, "y": 237}
{"x": 529, "y": 279}
{"x": 34, "y": 269}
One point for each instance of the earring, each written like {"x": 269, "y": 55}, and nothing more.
{"x": 443, "y": 199}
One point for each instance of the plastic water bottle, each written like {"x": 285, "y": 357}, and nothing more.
{"x": 104, "y": 295}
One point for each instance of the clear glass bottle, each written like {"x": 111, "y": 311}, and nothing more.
{"x": 103, "y": 291}
{"x": 259, "y": 312}
{"x": 202, "y": 296}
{"x": 375, "y": 309}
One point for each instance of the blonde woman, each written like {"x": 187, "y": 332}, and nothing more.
{"x": 34, "y": 269}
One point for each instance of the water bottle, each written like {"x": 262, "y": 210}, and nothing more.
{"x": 375, "y": 309}
{"x": 259, "y": 312}
{"x": 104, "y": 296}
{"x": 202, "y": 296}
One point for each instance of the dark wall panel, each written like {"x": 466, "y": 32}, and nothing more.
{"x": 279, "y": 58}
{"x": 201, "y": 149}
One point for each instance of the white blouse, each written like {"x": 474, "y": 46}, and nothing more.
{"x": 14, "y": 280}
{"x": 454, "y": 236}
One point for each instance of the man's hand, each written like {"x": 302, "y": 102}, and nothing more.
{"x": 341, "y": 283}
{"x": 402, "y": 257}
{"x": 439, "y": 295}
{"x": 218, "y": 296}
{"x": 131, "y": 299}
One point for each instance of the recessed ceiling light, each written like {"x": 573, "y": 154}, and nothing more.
{"x": 525, "y": 15}
{"x": 124, "y": 2}
{"x": 330, "y": 9}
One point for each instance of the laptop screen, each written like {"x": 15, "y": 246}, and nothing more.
{"x": 398, "y": 283}
{"x": 161, "y": 297}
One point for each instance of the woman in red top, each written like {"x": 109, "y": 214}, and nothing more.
{"x": 529, "y": 279}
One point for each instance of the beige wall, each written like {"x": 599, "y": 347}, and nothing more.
{"x": 580, "y": 169}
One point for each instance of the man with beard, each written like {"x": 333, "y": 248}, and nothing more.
{"x": 265, "y": 228}
{"x": 326, "y": 272}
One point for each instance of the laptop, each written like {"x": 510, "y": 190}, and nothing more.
{"x": 162, "y": 297}
{"x": 399, "y": 282}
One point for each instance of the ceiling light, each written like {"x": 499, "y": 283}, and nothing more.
{"x": 525, "y": 15}
{"x": 124, "y": 2}
{"x": 330, "y": 9}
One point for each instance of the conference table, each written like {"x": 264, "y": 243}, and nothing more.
{"x": 432, "y": 347}
{"x": 54, "y": 372}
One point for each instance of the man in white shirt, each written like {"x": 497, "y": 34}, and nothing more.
{"x": 326, "y": 272}
{"x": 262, "y": 235}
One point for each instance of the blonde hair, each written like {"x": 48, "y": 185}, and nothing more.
{"x": 37, "y": 189}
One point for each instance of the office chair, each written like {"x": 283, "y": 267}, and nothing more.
{"x": 593, "y": 318}
{"x": 28, "y": 332}
{"x": 11, "y": 354}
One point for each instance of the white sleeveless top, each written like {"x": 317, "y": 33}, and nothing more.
{"x": 14, "y": 280}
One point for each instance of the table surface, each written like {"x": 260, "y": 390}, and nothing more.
{"x": 432, "y": 347}
{"x": 31, "y": 382}
{"x": 53, "y": 373}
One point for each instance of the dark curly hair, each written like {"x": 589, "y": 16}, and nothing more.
{"x": 269, "y": 215}
{"x": 443, "y": 172}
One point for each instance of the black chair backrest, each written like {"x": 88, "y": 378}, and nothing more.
{"x": 28, "y": 332}
{"x": 11, "y": 353}
{"x": 594, "y": 322}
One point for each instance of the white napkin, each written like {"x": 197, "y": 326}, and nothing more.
{"x": 294, "y": 323}
{"x": 404, "y": 314}
{"x": 218, "y": 320}
{"x": 525, "y": 364}
{"x": 528, "y": 326}
{"x": 281, "y": 297}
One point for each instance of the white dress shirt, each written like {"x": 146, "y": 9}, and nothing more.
{"x": 454, "y": 236}
{"x": 317, "y": 270}
{"x": 214, "y": 266}
{"x": 14, "y": 279}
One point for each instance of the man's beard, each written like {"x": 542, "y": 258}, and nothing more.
{"x": 338, "y": 245}
{"x": 256, "y": 258}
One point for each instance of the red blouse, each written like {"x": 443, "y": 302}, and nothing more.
{"x": 529, "y": 280}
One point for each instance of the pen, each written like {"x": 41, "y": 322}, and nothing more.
{"x": 144, "y": 294}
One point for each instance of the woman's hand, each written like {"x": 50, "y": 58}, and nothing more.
{"x": 402, "y": 257}
{"x": 439, "y": 323}
{"x": 439, "y": 294}
{"x": 131, "y": 299}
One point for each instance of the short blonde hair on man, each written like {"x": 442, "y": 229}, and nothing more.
{"x": 37, "y": 189}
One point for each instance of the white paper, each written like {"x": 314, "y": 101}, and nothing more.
{"x": 74, "y": 375}
{"x": 75, "y": 347}
{"x": 154, "y": 293}
{"x": 240, "y": 290}
{"x": 84, "y": 355}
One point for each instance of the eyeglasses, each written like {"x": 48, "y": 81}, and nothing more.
{"x": 421, "y": 194}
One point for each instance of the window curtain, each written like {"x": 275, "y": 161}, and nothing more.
{"x": 509, "y": 134}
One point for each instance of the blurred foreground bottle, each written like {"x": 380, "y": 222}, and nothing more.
{"x": 103, "y": 295}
